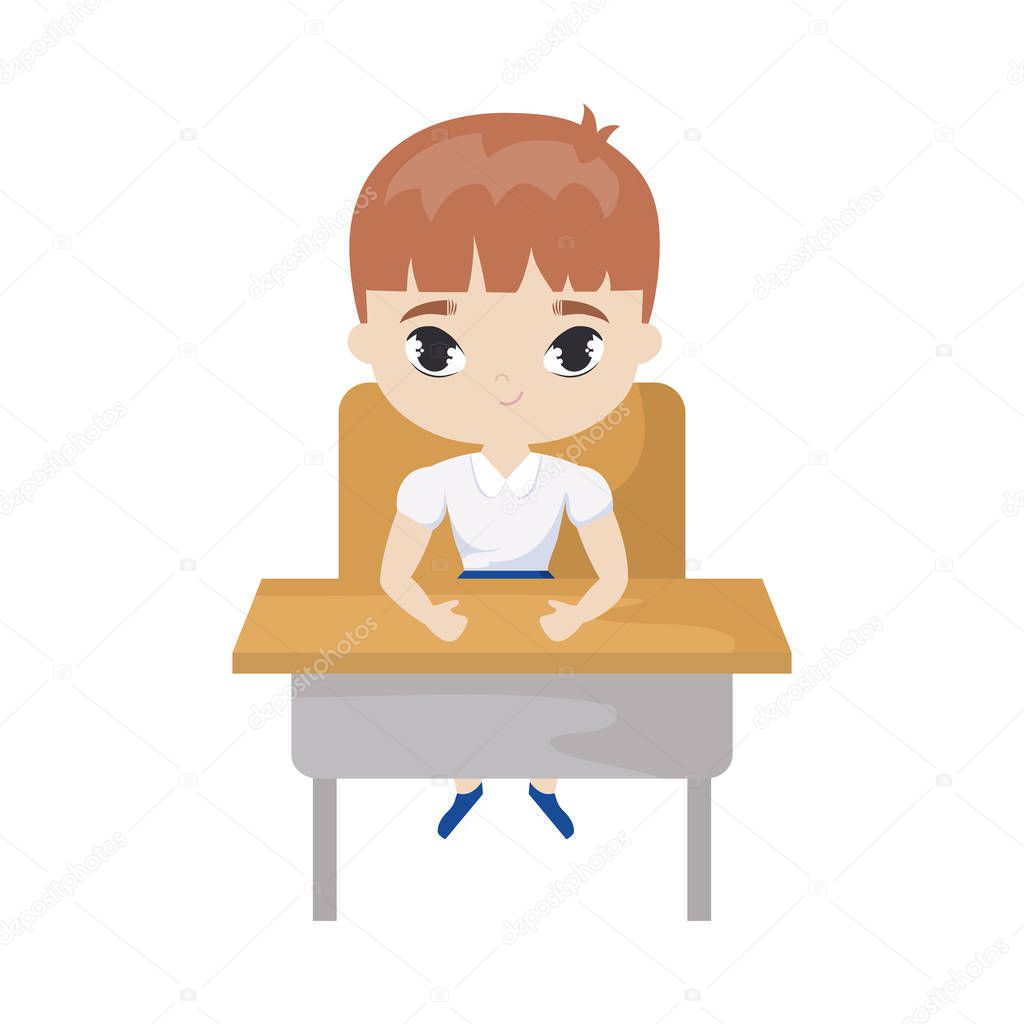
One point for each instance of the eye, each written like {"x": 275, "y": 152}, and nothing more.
{"x": 434, "y": 352}
{"x": 574, "y": 352}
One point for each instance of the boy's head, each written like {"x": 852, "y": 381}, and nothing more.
{"x": 504, "y": 268}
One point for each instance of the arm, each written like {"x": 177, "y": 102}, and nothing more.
{"x": 405, "y": 546}
{"x": 602, "y": 541}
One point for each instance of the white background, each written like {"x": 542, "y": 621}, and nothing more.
{"x": 835, "y": 449}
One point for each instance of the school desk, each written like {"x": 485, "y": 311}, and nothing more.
{"x": 644, "y": 691}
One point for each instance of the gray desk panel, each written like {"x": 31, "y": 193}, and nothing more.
{"x": 512, "y": 726}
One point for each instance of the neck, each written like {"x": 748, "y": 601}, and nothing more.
{"x": 505, "y": 455}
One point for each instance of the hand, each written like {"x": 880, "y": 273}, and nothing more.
{"x": 444, "y": 623}
{"x": 562, "y": 622}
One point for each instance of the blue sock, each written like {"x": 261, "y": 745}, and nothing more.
{"x": 548, "y": 803}
{"x": 458, "y": 810}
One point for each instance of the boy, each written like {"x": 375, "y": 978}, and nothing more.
{"x": 504, "y": 273}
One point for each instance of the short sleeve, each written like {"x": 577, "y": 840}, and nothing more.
{"x": 421, "y": 496}
{"x": 587, "y": 495}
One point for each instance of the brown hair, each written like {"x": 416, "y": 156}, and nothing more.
{"x": 512, "y": 184}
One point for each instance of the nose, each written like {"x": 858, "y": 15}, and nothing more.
{"x": 501, "y": 377}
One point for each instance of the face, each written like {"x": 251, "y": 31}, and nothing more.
{"x": 505, "y": 367}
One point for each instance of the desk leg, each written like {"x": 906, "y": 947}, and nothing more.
{"x": 325, "y": 849}
{"x": 698, "y": 848}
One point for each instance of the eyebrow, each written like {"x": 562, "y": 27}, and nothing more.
{"x": 567, "y": 307}
{"x": 439, "y": 307}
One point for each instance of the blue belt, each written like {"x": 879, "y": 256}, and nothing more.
{"x": 506, "y": 574}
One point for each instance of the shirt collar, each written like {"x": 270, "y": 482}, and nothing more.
{"x": 520, "y": 481}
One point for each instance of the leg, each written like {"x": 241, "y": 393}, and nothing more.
{"x": 467, "y": 792}
{"x": 698, "y": 848}
{"x": 325, "y": 849}
{"x": 542, "y": 792}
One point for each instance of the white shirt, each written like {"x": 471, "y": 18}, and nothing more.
{"x": 504, "y": 523}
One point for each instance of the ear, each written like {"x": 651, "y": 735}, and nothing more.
{"x": 648, "y": 343}
{"x": 360, "y": 343}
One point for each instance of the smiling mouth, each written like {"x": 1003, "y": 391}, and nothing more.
{"x": 514, "y": 400}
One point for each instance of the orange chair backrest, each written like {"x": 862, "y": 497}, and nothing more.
{"x": 638, "y": 448}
